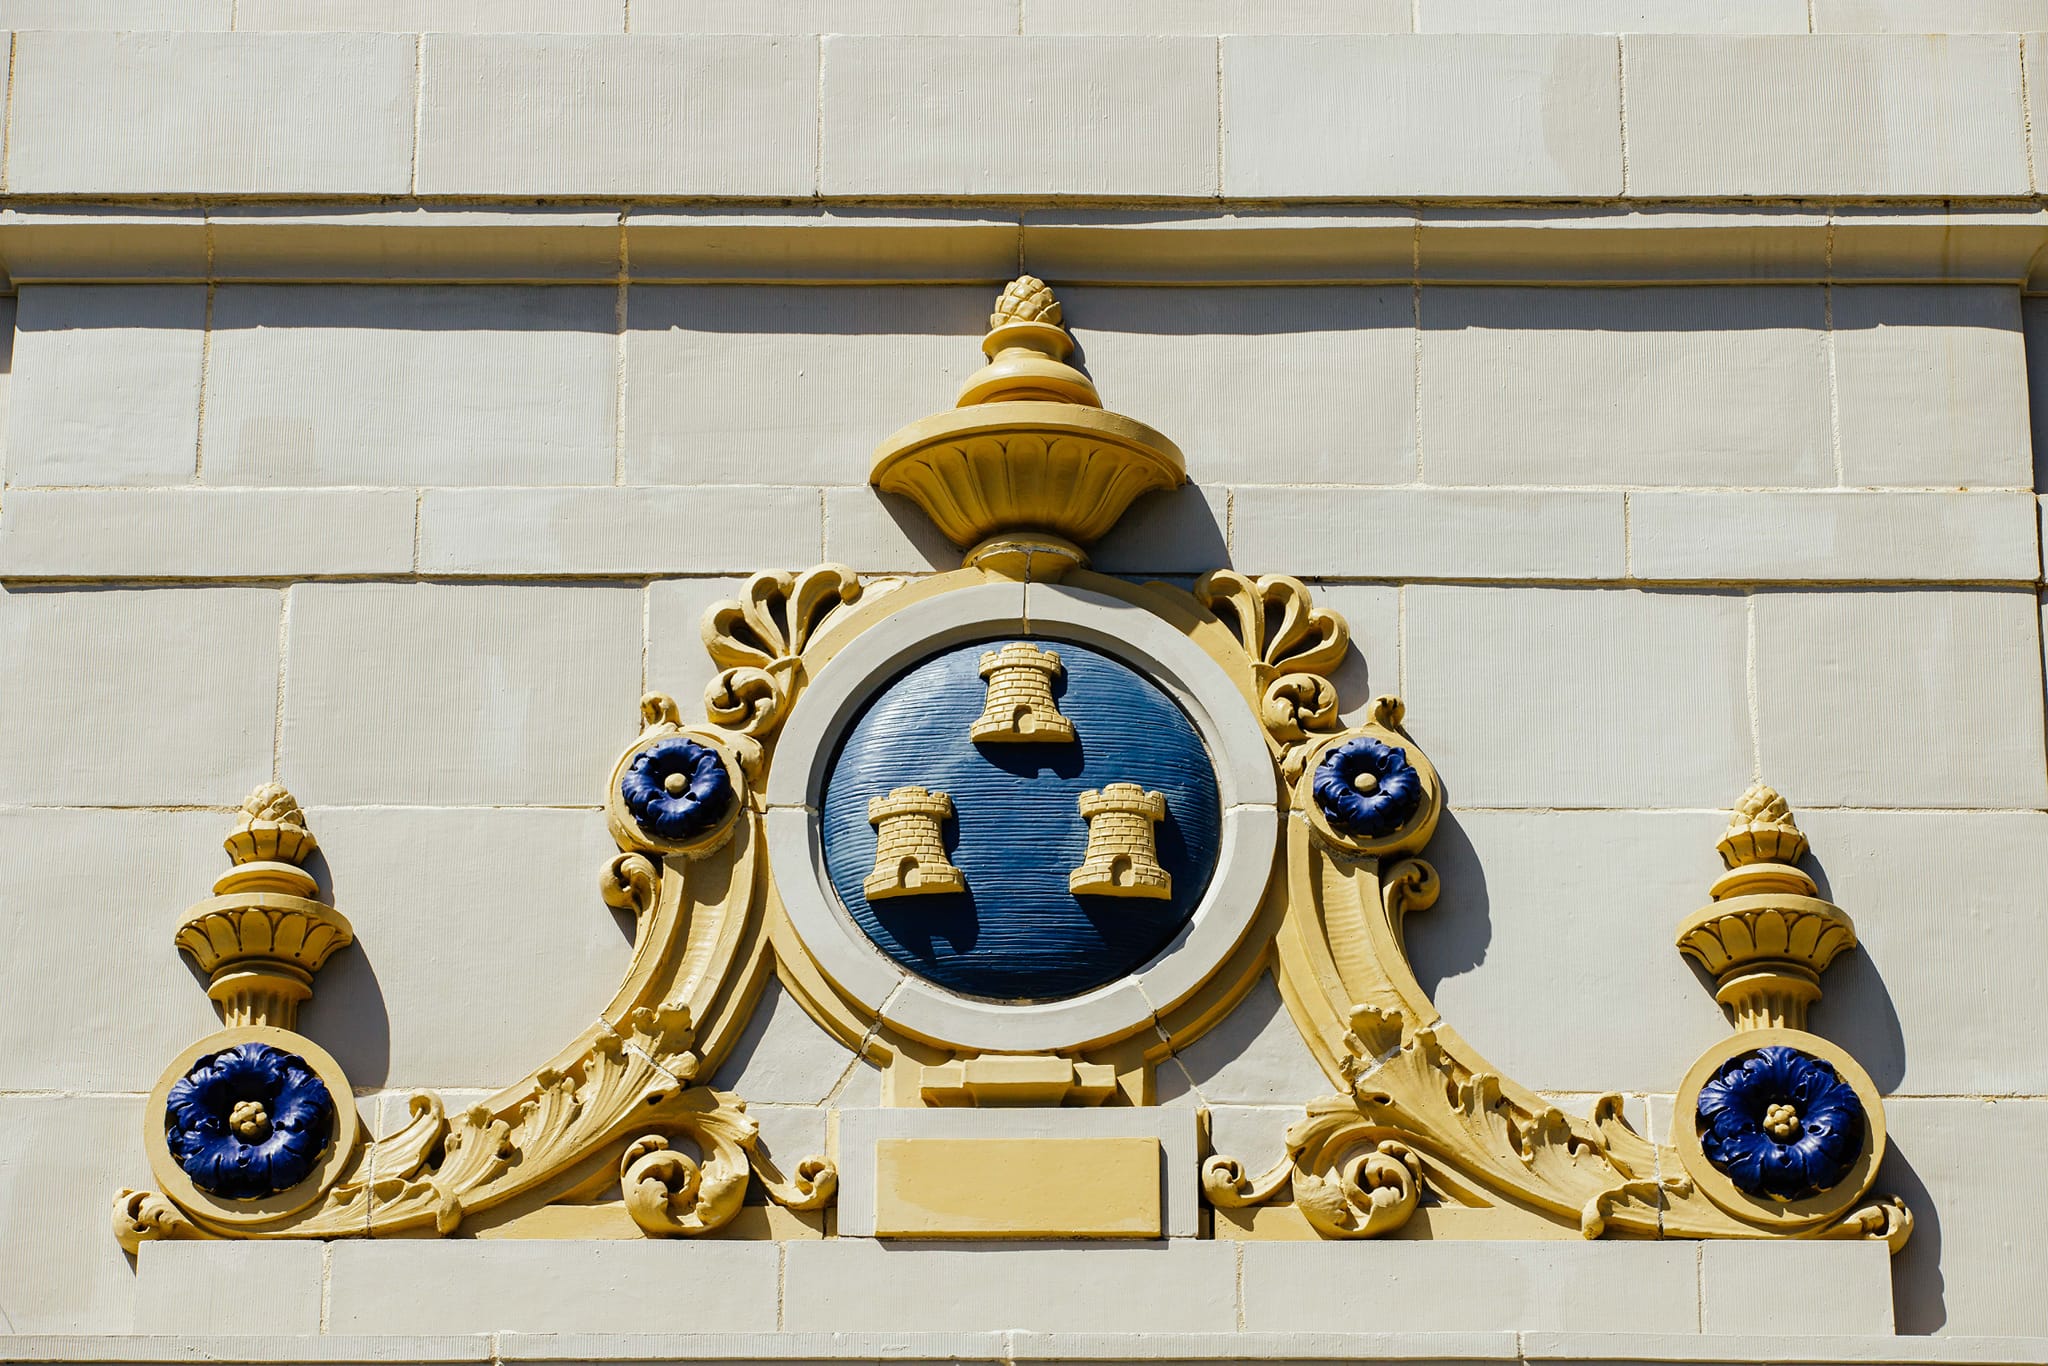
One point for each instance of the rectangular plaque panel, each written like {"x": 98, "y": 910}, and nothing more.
{"x": 1017, "y": 1188}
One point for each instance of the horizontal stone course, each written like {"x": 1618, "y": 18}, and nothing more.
{"x": 206, "y": 533}
{"x": 698, "y": 112}
{"x": 1428, "y": 533}
{"x": 433, "y": 1286}
{"x": 629, "y": 532}
{"x": 1850, "y": 537}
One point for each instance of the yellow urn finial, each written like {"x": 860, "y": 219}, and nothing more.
{"x": 1027, "y": 350}
{"x": 1028, "y": 468}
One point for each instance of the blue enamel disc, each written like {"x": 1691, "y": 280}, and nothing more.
{"x": 1016, "y": 933}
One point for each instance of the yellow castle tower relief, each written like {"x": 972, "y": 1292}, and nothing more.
{"x": 1122, "y": 859}
{"x": 1020, "y": 706}
{"x": 910, "y": 858}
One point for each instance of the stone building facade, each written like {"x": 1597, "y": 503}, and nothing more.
{"x": 395, "y": 384}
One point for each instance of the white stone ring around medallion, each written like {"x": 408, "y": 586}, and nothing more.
{"x": 1246, "y": 784}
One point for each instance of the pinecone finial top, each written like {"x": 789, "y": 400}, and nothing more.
{"x": 1026, "y": 299}
{"x": 270, "y": 827}
{"x": 1762, "y": 830}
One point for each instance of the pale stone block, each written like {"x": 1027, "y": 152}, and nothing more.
{"x": 783, "y": 1056}
{"x": 73, "y": 664}
{"x": 1929, "y": 16}
{"x": 1843, "y": 678}
{"x": 617, "y": 531}
{"x": 1179, "y": 531}
{"x": 1974, "y": 1264}
{"x": 787, "y": 384}
{"x": 1892, "y": 1002}
{"x": 184, "y": 15}
{"x": 1123, "y": 116}
{"x": 105, "y": 384}
{"x": 1256, "y": 1135}
{"x": 412, "y": 384}
{"x": 510, "y": 894}
{"x": 1836, "y": 115}
{"x": 206, "y": 113}
{"x": 1758, "y": 537}
{"x": 1625, "y": 386}
{"x": 1931, "y": 385}
{"x": 902, "y": 17}
{"x": 1844, "y": 1287}
{"x": 436, "y": 16}
{"x": 1428, "y": 533}
{"x": 1216, "y": 16}
{"x": 677, "y": 663}
{"x": 1433, "y": 115}
{"x": 61, "y": 1160}
{"x": 1610, "y": 16}
{"x": 205, "y": 533}
{"x": 506, "y": 695}
{"x": 522, "y": 1286}
{"x": 1254, "y": 1056}
{"x": 504, "y": 114}
{"x": 97, "y": 998}
{"x": 1608, "y": 1287}
{"x": 856, "y": 1284}
{"x": 1546, "y": 906}
{"x": 1580, "y": 697}
{"x": 885, "y": 533}
{"x": 272, "y": 1286}
{"x": 1238, "y": 376}
{"x": 2034, "y": 314}
{"x": 789, "y": 1133}
{"x": 1372, "y": 665}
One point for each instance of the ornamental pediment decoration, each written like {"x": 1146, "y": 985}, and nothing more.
{"x": 1016, "y": 834}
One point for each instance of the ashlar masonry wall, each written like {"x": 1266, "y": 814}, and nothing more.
{"x": 332, "y": 457}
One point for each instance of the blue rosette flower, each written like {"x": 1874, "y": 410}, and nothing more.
{"x": 248, "y": 1121}
{"x": 1366, "y": 789}
{"x": 677, "y": 789}
{"x": 1780, "y": 1123}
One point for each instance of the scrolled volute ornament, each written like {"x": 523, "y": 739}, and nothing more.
{"x": 1348, "y": 1179}
{"x": 672, "y": 1194}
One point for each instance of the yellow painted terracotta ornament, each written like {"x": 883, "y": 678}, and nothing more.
{"x": 1017, "y": 833}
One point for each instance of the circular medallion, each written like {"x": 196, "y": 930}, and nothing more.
{"x": 250, "y": 1124}
{"x": 1013, "y": 926}
{"x": 1780, "y": 1122}
{"x": 960, "y": 868}
{"x": 1779, "y": 1127}
{"x": 248, "y": 1121}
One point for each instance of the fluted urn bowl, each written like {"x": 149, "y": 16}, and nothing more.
{"x": 1026, "y": 466}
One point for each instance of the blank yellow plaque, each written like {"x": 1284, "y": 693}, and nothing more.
{"x": 1017, "y": 1188}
